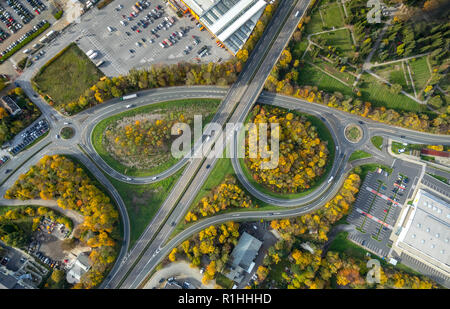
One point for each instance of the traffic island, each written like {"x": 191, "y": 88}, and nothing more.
{"x": 353, "y": 133}
{"x": 67, "y": 132}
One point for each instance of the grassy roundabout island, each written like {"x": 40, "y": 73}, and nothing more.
{"x": 306, "y": 154}
{"x": 67, "y": 132}
{"x": 137, "y": 142}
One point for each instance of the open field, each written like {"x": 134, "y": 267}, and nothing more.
{"x": 65, "y": 77}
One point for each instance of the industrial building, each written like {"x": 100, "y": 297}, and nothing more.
{"x": 230, "y": 21}
{"x": 424, "y": 234}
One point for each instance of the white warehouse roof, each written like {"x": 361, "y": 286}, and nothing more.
{"x": 428, "y": 231}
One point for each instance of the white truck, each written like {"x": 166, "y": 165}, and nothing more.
{"x": 130, "y": 96}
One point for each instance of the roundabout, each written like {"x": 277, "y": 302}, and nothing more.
{"x": 353, "y": 133}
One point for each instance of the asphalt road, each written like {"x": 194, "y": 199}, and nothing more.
{"x": 238, "y": 101}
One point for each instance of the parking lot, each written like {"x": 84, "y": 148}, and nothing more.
{"x": 379, "y": 204}
{"x": 18, "y": 18}
{"x": 123, "y": 39}
{"x": 28, "y": 136}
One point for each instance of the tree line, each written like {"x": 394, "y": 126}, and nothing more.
{"x": 189, "y": 74}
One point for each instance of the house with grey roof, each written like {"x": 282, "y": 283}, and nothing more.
{"x": 243, "y": 256}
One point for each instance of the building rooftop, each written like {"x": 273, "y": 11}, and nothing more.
{"x": 7, "y": 281}
{"x": 245, "y": 251}
{"x": 79, "y": 268}
{"x": 428, "y": 229}
{"x": 199, "y": 6}
{"x": 10, "y": 105}
{"x": 231, "y": 21}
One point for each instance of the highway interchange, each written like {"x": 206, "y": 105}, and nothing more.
{"x": 133, "y": 266}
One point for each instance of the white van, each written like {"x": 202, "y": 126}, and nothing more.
{"x": 89, "y": 52}
{"x": 95, "y": 54}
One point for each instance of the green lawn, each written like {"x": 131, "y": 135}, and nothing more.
{"x": 333, "y": 15}
{"x": 379, "y": 95}
{"x": 345, "y": 77}
{"x": 343, "y": 245}
{"x": 377, "y": 141}
{"x": 395, "y": 73}
{"x": 341, "y": 39}
{"x": 359, "y": 154}
{"x": 224, "y": 281}
{"x": 315, "y": 24}
{"x": 326, "y": 15}
{"x": 143, "y": 201}
{"x": 276, "y": 271}
{"x": 366, "y": 168}
{"x": 396, "y": 146}
{"x": 420, "y": 71}
{"x": 66, "y": 77}
{"x": 310, "y": 76}
{"x": 97, "y": 133}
